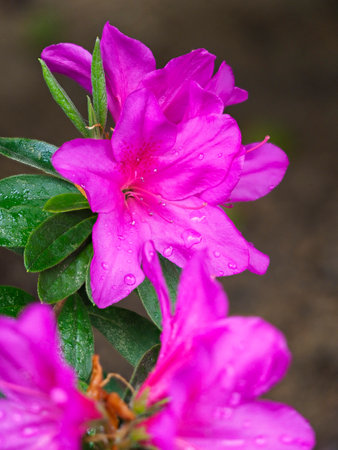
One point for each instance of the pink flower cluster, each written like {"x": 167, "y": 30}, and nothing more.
{"x": 172, "y": 160}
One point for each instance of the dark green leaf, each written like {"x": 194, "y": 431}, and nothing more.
{"x": 148, "y": 295}
{"x": 131, "y": 334}
{"x": 66, "y": 202}
{"x": 13, "y": 300}
{"x": 17, "y": 223}
{"x": 93, "y": 129}
{"x": 99, "y": 86}
{"x": 76, "y": 336}
{"x": 56, "y": 238}
{"x": 62, "y": 99}
{"x": 88, "y": 288}
{"x": 66, "y": 278}
{"x": 32, "y": 190}
{"x": 143, "y": 368}
{"x": 29, "y": 151}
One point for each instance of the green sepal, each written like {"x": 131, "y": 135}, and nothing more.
{"x": 149, "y": 297}
{"x": 13, "y": 300}
{"x": 56, "y": 238}
{"x": 31, "y": 152}
{"x": 76, "y": 336}
{"x": 65, "y": 278}
{"x": 99, "y": 86}
{"x": 129, "y": 333}
{"x": 66, "y": 202}
{"x": 62, "y": 99}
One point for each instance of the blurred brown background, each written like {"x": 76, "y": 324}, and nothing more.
{"x": 285, "y": 54}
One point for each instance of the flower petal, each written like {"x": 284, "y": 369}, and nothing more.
{"x": 115, "y": 269}
{"x": 142, "y": 132}
{"x": 258, "y": 261}
{"x": 167, "y": 83}
{"x": 222, "y": 83}
{"x": 261, "y": 424}
{"x": 238, "y": 96}
{"x": 187, "y": 228}
{"x": 126, "y": 61}
{"x": 201, "y": 159}
{"x": 199, "y": 102}
{"x": 90, "y": 164}
{"x": 70, "y": 60}
{"x": 263, "y": 169}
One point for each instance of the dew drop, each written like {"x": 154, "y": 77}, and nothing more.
{"x": 197, "y": 216}
{"x": 29, "y": 431}
{"x": 235, "y": 398}
{"x": 272, "y": 186}
{"x": 285, "y": 439}
{"x": 168, "y": 251}
{"x": 220, "y": 273}
{"x": 142, "y": 179}
{"x": 150, "y": 213}
{"x": 129, "y": 279}
{"x": 121, "y": 237}
{"x": 130, "y": 250}
{"x": 163, "y": 204}
{"x": 260, "y": 440}
{"x": 104, "y": 266}
{"x": 220, "y": 155}
{"x": 191, "y": 237}
{"x": 59, "y": 395}
{"x": 232, "y": 266}
{"x": 201, "y": 156}
{"x": 217, "y": 254}
{"x": 155, "y": 170}
{"x": 132, "y": 222}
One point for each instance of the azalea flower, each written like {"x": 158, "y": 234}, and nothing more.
{"x": 42, "y": 408}
{"x": 160, "y": 181}
{"x": 185, "y": 87}
{"x": 212, "y": 369}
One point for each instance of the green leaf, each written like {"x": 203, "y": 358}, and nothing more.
{"x": 76, "y": 336}
{"x": 99, "y": 86}
{"x": 143, "y": 368}
{"x": 17, "y": 223}
{"x": 13, "y": 300}
{"x": 131, "y": 334}
{"x": 32, "y": 190}
{"x": 148, "y": 295}
{"x": 88, "y": 288}
{"x": 66, "y": 202}
{"x": 65, "y": 278}
{"x": 29, "y": 151}
{"x": 62, "y": 99}
{"x": 93, "y": 129}
{"x": 56, "y": 238}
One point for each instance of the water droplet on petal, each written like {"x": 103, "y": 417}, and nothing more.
{"x": 59, "y": 395}
{"x": 168, "y": 251}
{"x": 220, "y": 155}
{"x": 235, "y": 398}
{"x": 232, "y": 266}
{"x": 132, "y": 222}
{"x": 155, "y": 170}
{"x": 260, "y": 440}
{"x": 197, "y": 216}
{"x": 118, "y": 247}
{"x": 272, "y": 186}
{"x": 201, "y": 156}
{"x": 220, "y": 273}
{"x": 130, "y": 250}
{"x": 121, "y": 237}
{"x": 142, "y": 179}
{"x": 191, "y": 237}
{"x": 104, "y": 266}
{"x": 217, "y": 254}
{"x": 150, "y": 213}
{"x": 285, "y": 439}
{"x": 29, "y": 431}
{"x": 129, "y": 279}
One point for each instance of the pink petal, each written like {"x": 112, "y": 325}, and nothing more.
{"x": 70, "y": 60}
{"x": 199, "y": 102}
{"x": 167, "y": 83}
{"x": 195, "y": 227}
{"x": 222, "y": 83}
{"x": 261, "y": 424}
{"x": 90, "y": 164}
{"x": 258, "y": 261}
{"x": 263, "y": 169}
{"x": 115, "y": 268}
{"x": 238, "y": 96}
{"x": 142, "y": 132}
{"x": 194, "y": 165}
{"x": 126, "y": 61}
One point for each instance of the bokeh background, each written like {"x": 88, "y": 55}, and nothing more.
{"x": 285, "y": 54}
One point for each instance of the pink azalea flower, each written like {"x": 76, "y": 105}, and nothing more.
{"x": 185, "y": 87}
{"x": 160, "y": 181}
{"x": 42, "y": 409}
{"x": 212, "y": 369}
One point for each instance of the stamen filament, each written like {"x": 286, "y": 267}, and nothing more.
{"x": 264, "y": 141}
